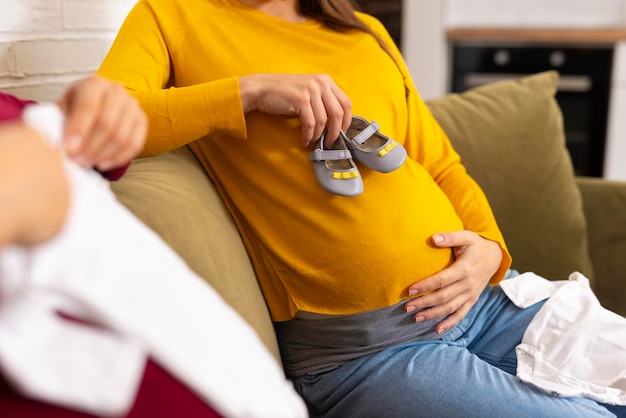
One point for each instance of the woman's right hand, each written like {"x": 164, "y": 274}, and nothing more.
{"x": 314, "y": 98}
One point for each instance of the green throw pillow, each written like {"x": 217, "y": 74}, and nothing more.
{"x": 510, "y": 137}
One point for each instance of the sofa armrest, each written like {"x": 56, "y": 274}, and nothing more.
{"x": 604, "y": 204}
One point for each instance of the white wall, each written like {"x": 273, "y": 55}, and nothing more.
{"x": 615, "y": 152}
{"x": 425, "y": 46}
{"x": 536, "y": 13}
{"x": 47, "y": 44}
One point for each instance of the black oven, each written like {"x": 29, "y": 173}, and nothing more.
{"x": 583, "y": 92}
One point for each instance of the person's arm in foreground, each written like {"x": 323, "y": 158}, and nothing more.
{"x": 34, "y": 192}
{"x": 105, "y": 127}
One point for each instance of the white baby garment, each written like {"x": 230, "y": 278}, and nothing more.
{"x": 573, "y": 346}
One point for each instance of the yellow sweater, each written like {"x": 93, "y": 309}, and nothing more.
{"x": 312, "y": 251}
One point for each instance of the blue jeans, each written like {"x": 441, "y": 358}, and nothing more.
{"x": 470, "y": 372}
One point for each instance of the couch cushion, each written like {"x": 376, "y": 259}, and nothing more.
{"x": 173, "y": 195}
{"x": 510, "y": 137}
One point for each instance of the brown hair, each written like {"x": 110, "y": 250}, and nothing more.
{"x": 338, "y": 15}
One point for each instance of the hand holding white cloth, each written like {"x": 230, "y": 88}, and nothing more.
{"x": 108, "y": 268}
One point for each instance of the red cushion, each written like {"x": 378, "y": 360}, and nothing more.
{"x": 160, "y": 395}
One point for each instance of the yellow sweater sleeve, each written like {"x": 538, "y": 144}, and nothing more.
{"x": 139, "y": 58}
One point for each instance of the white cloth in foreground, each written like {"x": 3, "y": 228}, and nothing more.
{"x": 106, "y": 267}
{"x": 573, "y": 346}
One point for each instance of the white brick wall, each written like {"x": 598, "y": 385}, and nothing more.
{"x": 47, "y": 44}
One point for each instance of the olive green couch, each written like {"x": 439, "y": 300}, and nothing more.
{"x": 510, "y": 137}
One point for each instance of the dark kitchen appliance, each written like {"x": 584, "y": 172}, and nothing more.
{"x": 583, "y": 92}
{"x": 389, "y": 12}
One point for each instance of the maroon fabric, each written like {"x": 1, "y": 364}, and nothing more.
{"x": 11, "y": 108}
{"x": 116, "y": 173}
{"x": 160, "y": 395}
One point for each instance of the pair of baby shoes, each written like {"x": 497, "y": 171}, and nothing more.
{"x": 335, "y": 168}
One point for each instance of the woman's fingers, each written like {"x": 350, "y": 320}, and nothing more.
{"x": 314, "y": 98}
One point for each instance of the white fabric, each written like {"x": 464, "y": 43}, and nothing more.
{"x": 46, "y": 357}
{"x": 573, "y": 346}
{"x": 108, "y": 268}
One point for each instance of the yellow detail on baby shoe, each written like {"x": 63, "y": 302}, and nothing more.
{"x": 387, "y": 148}
{"x": 345, "y": 175}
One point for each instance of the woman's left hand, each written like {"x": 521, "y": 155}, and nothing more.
{"x": 454, "y": 290}
{"x": 105, "y": 126}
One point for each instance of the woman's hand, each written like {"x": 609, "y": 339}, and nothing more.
{"x": 314, "y": 98}
{"x": 105, "y": 126}
{"x": 454, "y": 290}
